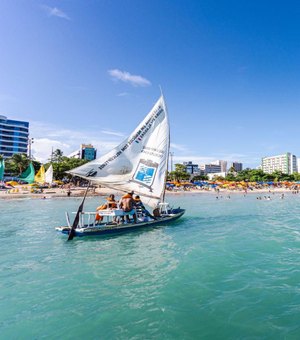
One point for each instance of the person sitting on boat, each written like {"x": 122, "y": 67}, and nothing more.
{"x": 110, "y": 204}
{"x": 141, "y": 211}
{"x": 127, "y": 204}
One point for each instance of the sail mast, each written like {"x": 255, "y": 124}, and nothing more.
{"x": 168, "y": 147}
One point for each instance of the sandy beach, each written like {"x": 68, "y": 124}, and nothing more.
{"x": 19, "y": 192}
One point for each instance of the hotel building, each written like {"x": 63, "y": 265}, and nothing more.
{"x": 286, "y": 163}
{"x": 223, "y": 165}
{"x": 86, "y": 151}
{"x": 236, "y": 166}
{"x": 191, "y": 168}
{"x": 210, "y": 168}
{"x": 13, "y": 137}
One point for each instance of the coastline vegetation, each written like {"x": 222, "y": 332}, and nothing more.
{"x": 247, "y": 175}
{"x": 18, "y": 163}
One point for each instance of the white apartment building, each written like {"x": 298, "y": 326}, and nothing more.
{"x": 286, "y": 163}
{"x": 210, "y": 168}
{"x": 223, "y": 164}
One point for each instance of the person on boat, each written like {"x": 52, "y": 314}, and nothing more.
{"x": 110, "y": 204}
{"x": 140, "y": 208}
{"x": 141, "y": 211}
{"x": 128, "y": 204}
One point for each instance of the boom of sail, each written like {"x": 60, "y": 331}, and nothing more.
{"x": 139, "y": 163}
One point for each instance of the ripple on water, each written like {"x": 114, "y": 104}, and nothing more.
{"x": 227, "y": 269}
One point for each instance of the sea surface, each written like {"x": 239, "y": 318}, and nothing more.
{"x": 229, "y": 269}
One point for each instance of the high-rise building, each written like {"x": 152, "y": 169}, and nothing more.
{"x": 286, "y": 163}
{"x": 210, "y": 168}
{"x": 87, "y": 151}
{"x": 223, "y": 165}
{"x": 14, "y": 136}
{"x": 191, "y": 168}
{"x": 236, "y": 166}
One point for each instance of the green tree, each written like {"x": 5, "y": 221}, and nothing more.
{"x": 179, "y": 173}
{"x": 200, "y": 178}
{"x": 295, "y": 176}
{"x": 65, "y": 164}
{"x": 230, "y": 177}
{"x": 57, "y": 156}
{"x": 218, "y": 178}
{"x": 17, "y": 163}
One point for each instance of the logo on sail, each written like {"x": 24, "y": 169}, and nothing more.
{"x": 145, "y": 173}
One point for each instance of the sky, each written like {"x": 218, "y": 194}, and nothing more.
{"x": 87, "y": 71}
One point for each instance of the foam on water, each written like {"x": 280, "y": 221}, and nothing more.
{"x": 228, "y": 269}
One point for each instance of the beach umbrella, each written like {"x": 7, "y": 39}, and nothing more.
{"x": 12, "y": 183}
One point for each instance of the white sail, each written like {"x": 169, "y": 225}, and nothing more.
{"x": 139, "y": 163}
{"x": 49, "y": 175}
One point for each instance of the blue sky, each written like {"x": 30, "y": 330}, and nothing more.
{"x": 89, "y": 71}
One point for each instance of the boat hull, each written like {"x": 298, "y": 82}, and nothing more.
{"x": 123, "y": 228}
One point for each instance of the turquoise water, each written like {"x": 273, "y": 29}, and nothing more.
{"x": 228, "y": 269}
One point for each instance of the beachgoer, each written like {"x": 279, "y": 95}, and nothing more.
{"x": 127, "y": 203}
{"x": 140, "y": 208}
{"x": 110, "y": 204}
{"x": 156, "y": 213}
{"x": 141, "y": 211}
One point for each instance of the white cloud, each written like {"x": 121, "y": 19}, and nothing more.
{"x": 178, "y": 147}
{"x": 113, "y": 133}
{"x": 126, "y": 77}
{"x": 195, "y": 159}
{"x": 47, "y": 136}
{"x": 42, "y": 148}
{"x": 55, "y": 12}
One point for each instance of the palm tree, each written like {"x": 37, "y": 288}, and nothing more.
{"x": 57, "y": 155}
{"x": 20, "y": 160}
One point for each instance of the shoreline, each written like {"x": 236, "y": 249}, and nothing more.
{"x": 99, "y": 192}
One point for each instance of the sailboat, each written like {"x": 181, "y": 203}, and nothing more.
{"x": 139, "y": 164}
{"x": 49, "y": 175}
{"x": 40, "y": 175}
{"x": 28, "y": 174}
{"x": 2, "y": 168}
